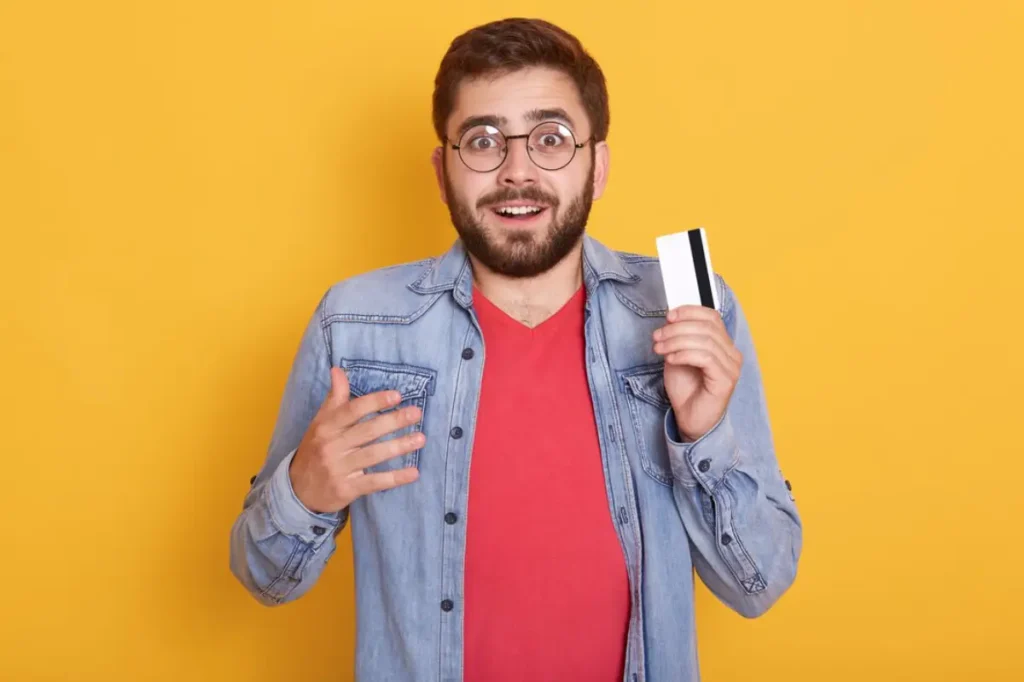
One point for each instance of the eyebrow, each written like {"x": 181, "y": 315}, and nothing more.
{"x": 532, "y": 116}
{"x": 557, "y": 113}
{"x": 473, "y": 121}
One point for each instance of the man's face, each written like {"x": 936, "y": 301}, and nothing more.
{"x": 519, "y": 219}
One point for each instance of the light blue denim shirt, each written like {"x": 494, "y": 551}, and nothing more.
{"x": 719, "y": 505}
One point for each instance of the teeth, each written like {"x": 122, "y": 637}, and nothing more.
{"x": 518, "y": 210}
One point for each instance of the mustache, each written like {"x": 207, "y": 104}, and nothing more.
{"x": 524, "y": 194}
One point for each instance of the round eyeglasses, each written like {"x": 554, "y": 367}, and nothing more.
{"x": 550, "y": 145}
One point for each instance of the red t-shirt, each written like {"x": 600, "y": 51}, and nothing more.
{"x": 547, "y": 594}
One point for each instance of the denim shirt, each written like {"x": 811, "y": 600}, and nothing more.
{"x": 718, "y": 506}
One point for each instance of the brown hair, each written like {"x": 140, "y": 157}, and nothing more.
{"x": 512, "y": 44}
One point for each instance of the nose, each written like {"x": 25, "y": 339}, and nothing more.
{"x": 518, "y": 169}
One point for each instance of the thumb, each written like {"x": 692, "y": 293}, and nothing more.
{"x": 339, "y": 393}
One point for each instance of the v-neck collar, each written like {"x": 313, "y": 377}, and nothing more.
{"x": 571, "y": 313}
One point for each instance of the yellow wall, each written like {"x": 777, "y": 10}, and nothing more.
{"x": 180, "y": 181}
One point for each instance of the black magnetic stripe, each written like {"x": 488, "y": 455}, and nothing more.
{"x": 700, "y": 266}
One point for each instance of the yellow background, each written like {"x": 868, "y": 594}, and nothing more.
{"x": 181, "y": 181}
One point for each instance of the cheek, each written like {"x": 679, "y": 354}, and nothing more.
{"x": 569, "y": 188}
{"x": 467, "y": 191}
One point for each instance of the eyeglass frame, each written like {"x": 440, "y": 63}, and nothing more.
{"x": 576, "y": 146}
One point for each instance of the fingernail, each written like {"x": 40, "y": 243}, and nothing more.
{"x": 394, "y": 397}
{"x": 672, "y": 316}
{"x": 657, "y": 335}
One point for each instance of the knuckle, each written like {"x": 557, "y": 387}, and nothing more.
{"x": 340, "y": 486}
{"x": 320, "y": 432}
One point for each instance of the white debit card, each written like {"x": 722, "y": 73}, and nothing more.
{"x": 686, "y": 269}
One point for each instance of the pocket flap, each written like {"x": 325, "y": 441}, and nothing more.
{"x": 369, "y": 376}
{"x": 647, "y": 384}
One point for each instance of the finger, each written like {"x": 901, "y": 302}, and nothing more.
{"x": 385, "y": 480}
{"x": 684, "y": 327}
{"x": 702, "y": 340}
{"x": 372, "y": 429}
{"x": 371, "y": 455}
{"x": 350, "y": 412}
{"x": 716, "y": 331}
{"x": 697, "y": 313}
{"x": 339, "y": 393}
{"x": 692, "y": 312}
{"x": 704, "y": 360}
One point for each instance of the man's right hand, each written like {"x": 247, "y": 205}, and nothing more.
{"x": 327, "y": 470}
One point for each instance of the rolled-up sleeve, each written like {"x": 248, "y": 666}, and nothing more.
{"x": 736, "y": 506}
{"x": 278, "y": 546}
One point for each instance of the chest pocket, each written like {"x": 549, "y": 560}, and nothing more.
{"x": 414, "y": 384}
{"x": 644, "y": 388}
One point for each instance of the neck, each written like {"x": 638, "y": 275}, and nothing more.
{"x": 531, "y": 300}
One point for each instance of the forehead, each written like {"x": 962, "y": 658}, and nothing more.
{"x": 515, "y": 95}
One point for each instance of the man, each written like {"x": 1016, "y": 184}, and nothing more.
{"x": 533, "y": 452}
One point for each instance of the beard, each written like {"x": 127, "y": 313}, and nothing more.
{"x": 522, "y": 253}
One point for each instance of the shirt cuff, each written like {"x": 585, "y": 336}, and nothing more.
{"x": 706, "y": 460}
{"x": 291, "y": 517}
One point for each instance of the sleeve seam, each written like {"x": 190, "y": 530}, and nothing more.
{"x": 729, "y": 555}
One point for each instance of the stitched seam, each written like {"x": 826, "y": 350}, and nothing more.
{"x": 381, "y": 319}
{"x": 426, "y": 273}
{"x": 417, "y": 398}
{"x": 751, "y": 565}
{"x": 637, "y": 309}
{"x": 628, "y": 278}
{"x": 740, "y": 555}
{"x": 637, "y": 391}
{"x": 325, "y": 328}
{"x": 638, "y": 640}
{"x": 268, "y": 590}
{"x": 427, "y": 375}
{"x": 630, "y": 257}
{"x": 445, "y": 548}
{"x": 645, "y": 458}
{"x": 725, "y": 297}
{"x": 719, "y": 512}
{"x": 630, "y": 490}
{"x": 633, "y": 396}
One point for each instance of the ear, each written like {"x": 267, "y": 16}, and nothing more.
{"x": 602, "y": 159}
{"x": 437, "y": 161}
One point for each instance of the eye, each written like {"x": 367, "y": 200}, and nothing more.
{"x": 483, "y": 140}
{"x": 551, "y": 137}
{"x": 482, "y": 144}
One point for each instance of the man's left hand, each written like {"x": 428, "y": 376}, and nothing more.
{"x": 702, "y": 366}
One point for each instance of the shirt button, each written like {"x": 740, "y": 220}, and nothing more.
{"x": 467, "y": 353}
{"x": 726, "y": 538}
{"x": 788, "y": 486}
{"x": 704, "y": 465}
{"x": 319, "y": 530}
{"x": 253, "y": 480}
{"x": 450, "y": 518}
{"x": 447, "y": 605}
{"x": 456, "y": 432}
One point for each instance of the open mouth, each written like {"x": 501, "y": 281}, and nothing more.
{"x": 519, "y": 214}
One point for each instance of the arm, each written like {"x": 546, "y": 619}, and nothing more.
{"x": 278, "y": 546}
{"x": 744, "y": 529}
